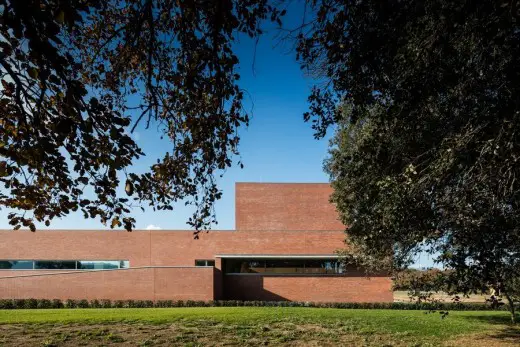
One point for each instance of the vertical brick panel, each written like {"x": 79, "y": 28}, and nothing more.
{"x": 285, "y": 206}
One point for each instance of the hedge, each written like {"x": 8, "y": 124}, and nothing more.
{"x": 46, "y": 304}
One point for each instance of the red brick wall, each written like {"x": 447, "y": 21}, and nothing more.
{"x": 160, "y": 247}
{"x": 304, "y": 288}
{"x": 145, "y": 248}
{"x": 270, "y": 218}
{"x": 285, "y": 206}
{"x": 177, "y": 248}
{"x": 131, "y": 284}
{"x": 77, "y": 245}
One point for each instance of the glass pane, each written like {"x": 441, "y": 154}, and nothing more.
{"x": 124, "y": 264}
{"x": 98, "y": 264}
{"x": 244, "y": 266}
{"x": 252, "y": 266}
{"x": 16, "y": 264}
{"x": 200, "y": 262}
{"x": 55, "y": 264}
{"x": 285, "y": 266}
{"x": 210, "y": 263}
{"x": 327, "y": 266}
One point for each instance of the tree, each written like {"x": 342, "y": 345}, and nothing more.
{"x": 71, "y": 73}
{"x": 426, "y": 151}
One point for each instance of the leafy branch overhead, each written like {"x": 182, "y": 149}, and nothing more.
{"x": 72, "y": 73}
{"x": 426, "y": 153}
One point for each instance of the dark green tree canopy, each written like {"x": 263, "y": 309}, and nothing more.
{"x": 427, "y": 148}
{"x": 71, "y": 73}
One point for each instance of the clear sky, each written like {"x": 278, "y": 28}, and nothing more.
{"x": 278, "y": 146}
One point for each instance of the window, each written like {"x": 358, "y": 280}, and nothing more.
{"x": 284, "y": 266}
{"x": 316, "y": 266}
{"x": 63, "y": 264}
{"x": 102, "y": 264}
{"x": 55, "y": 264}
{"x": 16, "y": 264}
{"x": 244, "y": 266}
{"x": 204, "y": 263}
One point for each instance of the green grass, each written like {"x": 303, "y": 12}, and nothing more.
{"x": 392, "y": 321}
{"x": 250, "y": 323}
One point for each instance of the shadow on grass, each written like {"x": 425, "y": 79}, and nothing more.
{"x": 509, "y": 332}
{"x": 496, "y": 320}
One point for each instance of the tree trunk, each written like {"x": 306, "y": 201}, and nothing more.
{"x": 511, "y": 308}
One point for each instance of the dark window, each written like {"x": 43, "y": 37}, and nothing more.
{"x": 204, "y": 263}
{"x": 55, "y": 264}
{"x": 284, "y": 266}
{"x": 63, "y": 264}
{"x": 318, "y": 266}
{"x": 100, "y": 264}
{"x": 16, "y": 264}
{"x": 244, "y": 266}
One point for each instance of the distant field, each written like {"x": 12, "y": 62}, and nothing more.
{"x": 402, "y": 296}
{"x": 253, "y": 326}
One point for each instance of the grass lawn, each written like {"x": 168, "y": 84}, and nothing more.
{"x": 253, "y": 326}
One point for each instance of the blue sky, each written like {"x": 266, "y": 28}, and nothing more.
{"x": 278, "y": 146}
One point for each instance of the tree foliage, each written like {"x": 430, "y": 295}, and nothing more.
{"x": 426, "y": 152}
{"x": 72, "y": 72}
{"x": 428, "y": 280}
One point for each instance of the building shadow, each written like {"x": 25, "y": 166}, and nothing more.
{"x": 248, "y": 288}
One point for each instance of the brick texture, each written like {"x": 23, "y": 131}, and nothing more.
{"x": 161, "y": 247}
{"x": 275, "y": 219}
{"x": 285, "y": 206}
{"x": 130, "y": 284}
{"x": 308, "y": 288}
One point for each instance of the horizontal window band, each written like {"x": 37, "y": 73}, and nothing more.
{"x": 62, "y": 264}
{"x": 292, "y": 275}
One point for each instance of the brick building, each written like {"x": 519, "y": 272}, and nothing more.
{"x": 283, "y": 248}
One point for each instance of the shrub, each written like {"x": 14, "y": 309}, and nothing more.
{"x": 70, "y": 303}
{"x": 18, "y": 303}
{"x": 118, "y": 304}
{"x": 30, "y": 303}
{"x": 164, "y": 303}
{"x": 6, "y": 304}
{"x": 44, "y": 303}
{"x": 83, "y": 304}
{"x": 56, "y": 303}
{"x": 424, "y": 306}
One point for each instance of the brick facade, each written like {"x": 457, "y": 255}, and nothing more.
{"x": 162, "y": 262}
{"x": 309, "y": 288}
{"x": 175, "y": 283}
{"x": 285, "y": 206}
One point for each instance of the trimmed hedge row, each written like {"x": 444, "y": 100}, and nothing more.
{"x": 46, "y": 304}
